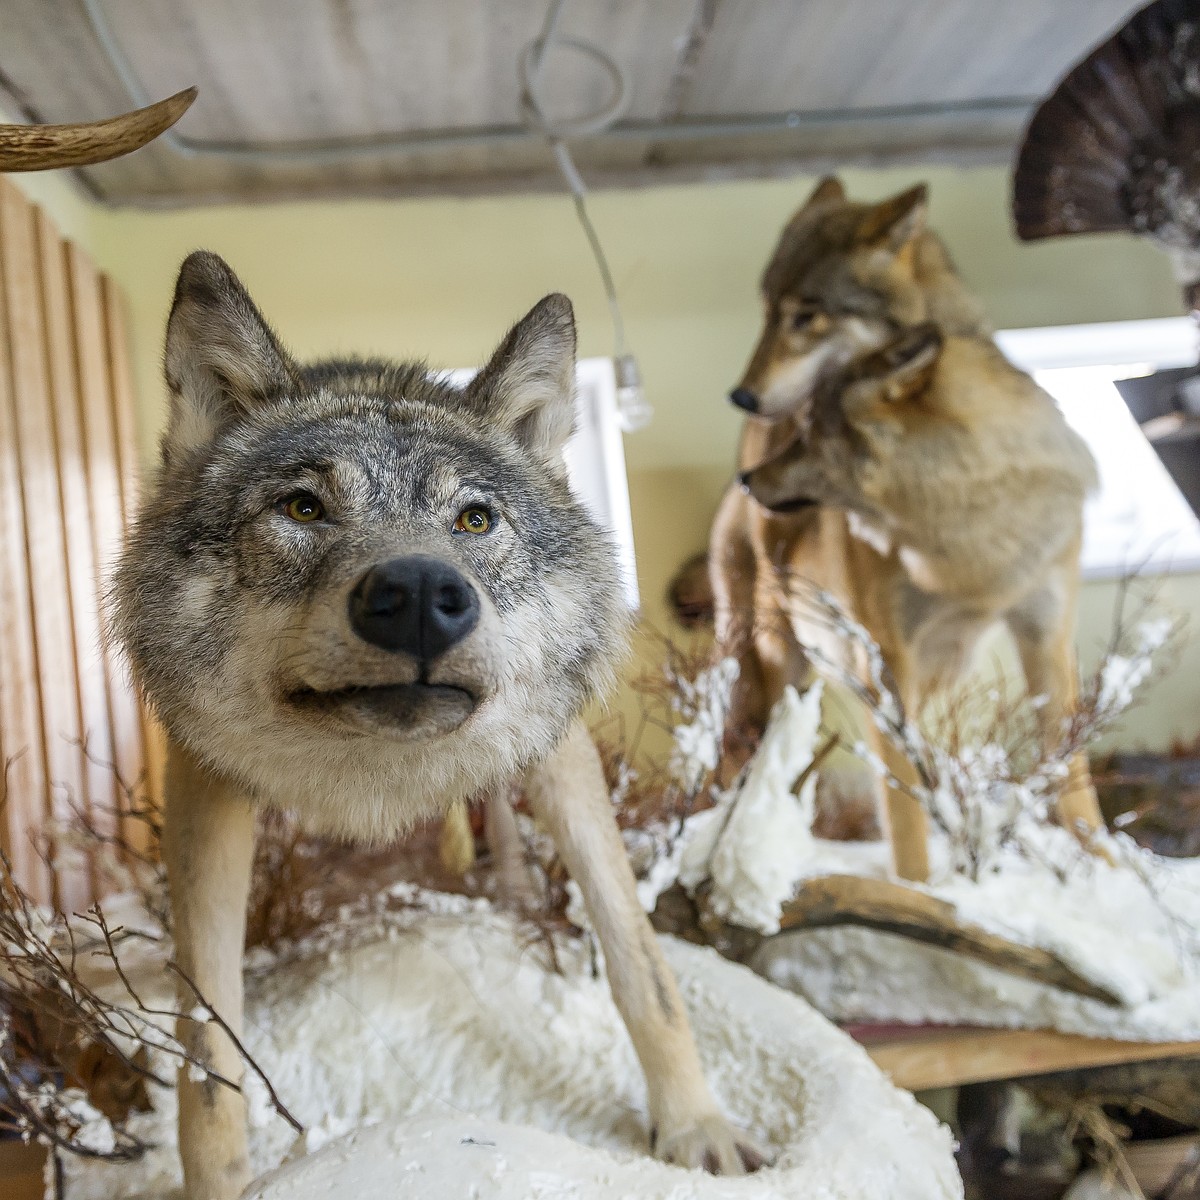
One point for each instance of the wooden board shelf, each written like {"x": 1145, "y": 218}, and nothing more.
{"x": 933, "y": 1057}
{"x": 21, "y": 1169}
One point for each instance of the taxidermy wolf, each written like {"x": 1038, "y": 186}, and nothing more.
{"x": 913, "y": 472}
{"x": 363, "y": 594}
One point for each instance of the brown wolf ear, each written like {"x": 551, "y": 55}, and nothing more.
{"x": 221, "y": 356}
{"x": 828, "y": 191}
{"x": 528, "y": 385}
{"x": 906, "y": 365}
{"x": 894, "y": 223}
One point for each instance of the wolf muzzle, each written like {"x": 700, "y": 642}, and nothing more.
{"x": 417, "y": 605}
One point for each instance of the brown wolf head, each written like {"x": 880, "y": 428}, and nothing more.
{"x": 938, "y": 446}
{"x": 356, "y": 589}
{"x": 842, "y": 282}
{"x": 859, "y": 422}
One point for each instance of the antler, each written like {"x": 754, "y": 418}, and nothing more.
{"x": 41, "y": 147}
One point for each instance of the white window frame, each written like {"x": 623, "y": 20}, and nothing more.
{"x": 1131, "y": 348}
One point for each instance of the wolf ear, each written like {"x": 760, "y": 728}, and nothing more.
{"x": 894, "y": 223}
{"x": 528, "y": 385}
{"x": 221, "y": 357}
{"x": 906, "y": 365}
{"x": 828, "y": 191}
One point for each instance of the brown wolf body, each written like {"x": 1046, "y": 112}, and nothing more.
{"x": 910, "y": 470}
{"x": 362, "y": 593}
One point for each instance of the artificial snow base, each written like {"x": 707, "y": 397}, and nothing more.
{"x": 440, "y": 1056}
{"x": 1130, "y": 925}
{"x": 1131, "y": 928}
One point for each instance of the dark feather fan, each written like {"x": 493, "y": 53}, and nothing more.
{"x": 1116, "y": 146}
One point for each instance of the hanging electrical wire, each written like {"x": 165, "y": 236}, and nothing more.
{"x": 633, "y": 410}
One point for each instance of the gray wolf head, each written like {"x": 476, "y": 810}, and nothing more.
{"x": 354, "y": 588}
{"x": 842, "y": 282}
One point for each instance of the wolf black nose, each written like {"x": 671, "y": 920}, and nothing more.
{"x": 744, "y": 398}
{"x": 418, "y": 605}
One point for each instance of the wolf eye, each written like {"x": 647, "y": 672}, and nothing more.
{"x": 304, "y": 508}
{"x": 802, "y": 317}
{"x": 473, "y": 520}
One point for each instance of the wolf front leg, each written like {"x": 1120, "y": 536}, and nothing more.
{"x": 208, "y": 845}
{"x": 904, "y": 820}
{"x": 732, "y": 573}
{"x": 1043, "y": 628}
{"x": 1050, "y": 672}
{"x": 570, "y": 799}
{"x": 905, "y": 823}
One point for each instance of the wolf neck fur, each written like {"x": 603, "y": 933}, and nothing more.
{"x": 950, "y": 305}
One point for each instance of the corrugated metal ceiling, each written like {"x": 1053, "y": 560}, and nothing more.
{"x": 715, "y": 86}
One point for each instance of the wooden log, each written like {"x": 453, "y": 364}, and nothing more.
{"x": 893, "y": 908}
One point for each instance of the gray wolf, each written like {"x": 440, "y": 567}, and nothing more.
{"x": 894, "y": 457}
{"x": 364, "y": 594}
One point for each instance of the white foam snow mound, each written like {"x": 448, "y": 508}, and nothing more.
{"x": 756, "y": 860}
{"x": 532, "y": 1052}
{"x": 457, "y": 1064}
{"x": 1133, "y": 931}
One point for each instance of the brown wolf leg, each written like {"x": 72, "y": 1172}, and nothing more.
{"x": 208, "y": 845}
{"x": 781, "y": 660}
{"x": 456, "y": 845}
{"x": 905, "y": 823}
{"x": 904, "y": 820}
{"x": 513, "y": 883}
{"x": 1049, "y": 667}
{"x": 571, "y": 800}
{"x": 732, "y": 573}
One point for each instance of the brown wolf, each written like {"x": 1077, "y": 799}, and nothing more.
{"x": 904, "y": 465}
{"x": 362, "y": 593}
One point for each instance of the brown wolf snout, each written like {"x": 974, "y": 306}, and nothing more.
{"x": 745, "y": 399}
{"x": 417, "y": 605}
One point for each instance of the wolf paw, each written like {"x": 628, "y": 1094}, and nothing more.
{"x": 711, "y": 1143}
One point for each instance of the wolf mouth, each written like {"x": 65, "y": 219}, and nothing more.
{"x": 796, "y": 504}
{"x": 393, "y": 704}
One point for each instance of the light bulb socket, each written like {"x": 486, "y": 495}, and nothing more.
{"x": 633, "y": 411}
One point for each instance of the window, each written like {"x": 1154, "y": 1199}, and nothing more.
{"x": 1138, "y": 519}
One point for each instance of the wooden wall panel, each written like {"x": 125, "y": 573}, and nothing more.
{"x": 53, "y": 632}
{"x": 82, "y": 578}
{"x": 120, "y": 378}
{"x": 107, "y": 508}
{"x": 71, "y": 727}
{"x": 120, "y": 384}
{"x": 25, "y": 780}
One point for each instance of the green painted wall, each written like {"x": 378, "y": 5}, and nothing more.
{"x": 442, "y": 278}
